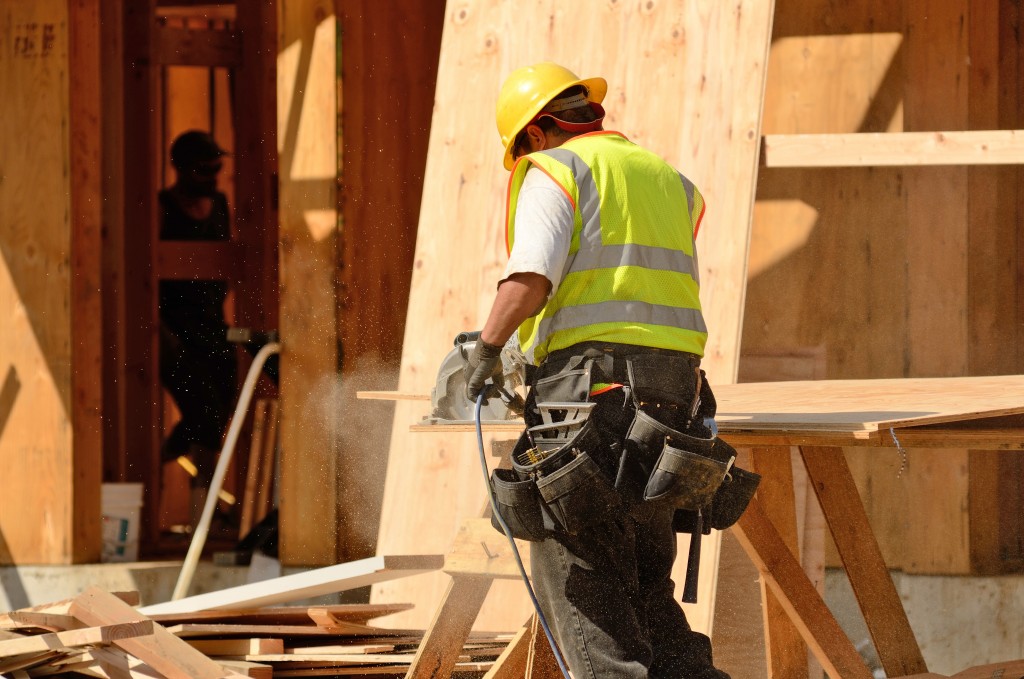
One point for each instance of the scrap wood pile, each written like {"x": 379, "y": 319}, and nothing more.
{"x": 100, "y": 634}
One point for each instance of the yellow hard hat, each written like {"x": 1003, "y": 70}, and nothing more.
{"x": 528, "y": 90}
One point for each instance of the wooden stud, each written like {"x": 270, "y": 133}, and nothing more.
{"x": 307, "y": 94}
{"x": 874, "y": 149}
{"x": 163, "y": 651}
{"x": 786, "y": 652}
{"x": 85, "y": 146}
{"x": 328, "y": 580}
{"x": 783, "y": 574}
{"x": 253, "y": 469}
{"x": 879, "y": 602}
{"x": 438, "y": 654}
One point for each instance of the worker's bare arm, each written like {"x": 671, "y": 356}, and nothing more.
{"x": 519, "y": 297}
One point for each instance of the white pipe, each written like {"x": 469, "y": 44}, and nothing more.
{"x": 195, "y": 548}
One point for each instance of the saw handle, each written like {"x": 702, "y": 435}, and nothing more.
{"x": 467, "y": 336}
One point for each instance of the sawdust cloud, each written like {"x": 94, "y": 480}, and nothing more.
{"x": 361, "y": 433}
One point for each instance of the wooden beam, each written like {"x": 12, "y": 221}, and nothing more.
{"x": 873, "y": 586}
{"x": 875, "y": 149}
{"x": 439, "y": 652}
{"x": 196, "y": 47}
{"x": 167, "y": 654}
{"x": 140, "y": 379}
{"x": 307, "y": 137}
{"x": 329, "y": 580}
{"x": 87, "y": 636}
{"x": 786, "y": 652}
{"x": 784, "y": 575}
{"x": 85, "y": 165}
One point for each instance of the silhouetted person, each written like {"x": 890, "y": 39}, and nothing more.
{"x": 197, "y": 363}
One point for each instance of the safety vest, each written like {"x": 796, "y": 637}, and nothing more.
{"x": 631, "y": 274}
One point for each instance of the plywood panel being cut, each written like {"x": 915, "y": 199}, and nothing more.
{"x": 685, "y": 80}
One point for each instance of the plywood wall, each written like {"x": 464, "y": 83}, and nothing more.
{"x": 49, "y": 208}
{"x": 895, "y": 272}
{"x": 685, "y": 80}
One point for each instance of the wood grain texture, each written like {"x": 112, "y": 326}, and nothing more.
{"x": 317, "y": 582}
{"x": 880, "y": 603}
{"x": 86, "y": 200}
{"x": 438, "y": 653}
{"x": 783, "y": 574}
{"x": 387, "y": 94}
{"x": 167, "y": 654}
{"x": 36, "y": 293}
{"x": 307, "y": 136}
{"x": 874, "y": 149}
{"x": 691, "y": 94}
{"x": 786, "y": 650}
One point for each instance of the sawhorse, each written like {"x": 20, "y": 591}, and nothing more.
{"x": 479, "y": 556}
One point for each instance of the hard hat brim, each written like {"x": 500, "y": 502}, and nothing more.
{"x": 597, "y": 89}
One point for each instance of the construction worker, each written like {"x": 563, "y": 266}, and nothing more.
{"x": 198, "y": 365}
{"x": 602, "y": 287}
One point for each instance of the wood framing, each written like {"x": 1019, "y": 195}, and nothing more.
{"x": 307, "y": 136}
{"x": 50, "y": 373}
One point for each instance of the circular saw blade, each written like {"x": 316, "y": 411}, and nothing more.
{"x": 448, "y": 397}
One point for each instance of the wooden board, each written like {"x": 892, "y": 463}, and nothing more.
{"x": 328, "y": 580}
{"x": 307, "y": 135}
{"x": 40, "y": 293}
{"x": 691, "y": 93}
{"x": 284, "y": 615}
{"x": 857, "y": 407}
{"x": 163, "y": 651}
{"x": 866, "y": 405}
{"x": 975, "y": 147}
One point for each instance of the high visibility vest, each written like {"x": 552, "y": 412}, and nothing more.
{"x": 631, "y": 274}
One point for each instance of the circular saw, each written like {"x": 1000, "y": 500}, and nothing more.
{"x": 448, "y": 399}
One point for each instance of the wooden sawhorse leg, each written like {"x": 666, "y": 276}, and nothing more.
{"x": 793, "y": 589}
{"x": 855, "y": 541}
{"x": 443, "y": 641}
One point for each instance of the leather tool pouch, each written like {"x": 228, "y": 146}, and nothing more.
{"x": 520, "y": 506}
{"x": 687, "y": 470}
{"x": 575, "y": 492}
{"x": 732, "y": 497}
{"x": 571, "y": 384}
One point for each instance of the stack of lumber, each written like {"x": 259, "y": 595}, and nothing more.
{"x": 102, "y": 634}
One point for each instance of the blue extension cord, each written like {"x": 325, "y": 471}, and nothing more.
{"x": 508, "y": 535}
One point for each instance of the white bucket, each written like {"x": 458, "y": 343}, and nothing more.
{"x": 121, "y": 505}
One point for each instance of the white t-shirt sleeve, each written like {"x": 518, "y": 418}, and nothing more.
{"x": 544, "y": 222}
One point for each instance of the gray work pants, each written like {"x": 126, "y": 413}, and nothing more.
{"x": 607, "y": 592}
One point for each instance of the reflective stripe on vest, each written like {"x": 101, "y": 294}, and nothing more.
{"x": 631, "y": 275}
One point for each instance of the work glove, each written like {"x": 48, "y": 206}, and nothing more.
{"x": 484, "y": 363}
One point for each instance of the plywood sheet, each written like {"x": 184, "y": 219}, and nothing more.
{"x": 685, "y": 80}
{"x": 866, "y": 405}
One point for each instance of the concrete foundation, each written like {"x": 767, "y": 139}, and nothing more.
{"x": 959, "y": 622}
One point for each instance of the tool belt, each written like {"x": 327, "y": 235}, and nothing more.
{"x": 569, "y": 472}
